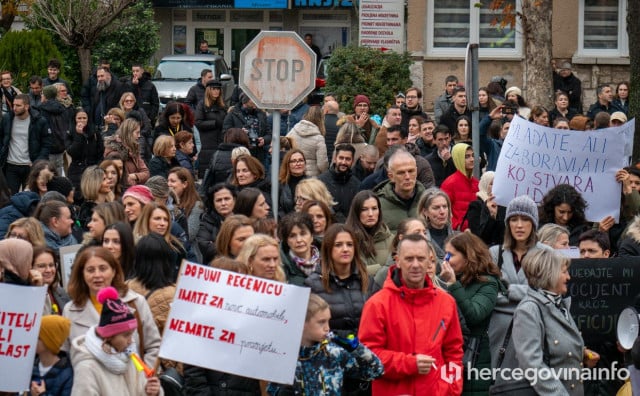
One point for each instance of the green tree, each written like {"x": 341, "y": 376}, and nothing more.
{"x": 26, "y": 53}
{"x": 10, "y": 9}
{"x": 131, "y": 38}
{"x": 78, "y": 23}
{"x": 362, "y": 70}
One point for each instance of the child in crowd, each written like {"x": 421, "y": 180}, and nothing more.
{"x": 52, "y": 373}
{"x": 101, "y": 360}
{"x": 323, "y": 363}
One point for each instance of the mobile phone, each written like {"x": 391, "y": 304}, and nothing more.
{"x": 447, "y": 256}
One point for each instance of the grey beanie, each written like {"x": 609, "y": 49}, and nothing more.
{"x": 523, "y": 206}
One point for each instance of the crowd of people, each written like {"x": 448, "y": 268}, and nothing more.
{"x": 411, "y": 263}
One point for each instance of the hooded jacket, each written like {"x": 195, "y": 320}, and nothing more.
{"x": 460, "y": 188}
{"x": 399, "y": 322}
{"x": 59, "y": 378}
{"x": 310, "y": 141}
{"x": 60, "y": 119}
{"x": 392, "y": 208}
{"x": 22, "y": 204}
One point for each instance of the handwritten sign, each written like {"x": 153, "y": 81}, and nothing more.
{"x": 20, "y": 316}
{"x": 534, "y": 159}
{"x": 600, "y": 289}
{"x": 67, "y": 257}
{"x": 235, "y": 323}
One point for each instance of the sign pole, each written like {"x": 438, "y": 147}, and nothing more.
{"x": 275, "y": 162}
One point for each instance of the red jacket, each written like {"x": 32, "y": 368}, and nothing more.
{"x": 461, "y": 191}
{"x": 397, "y": 323}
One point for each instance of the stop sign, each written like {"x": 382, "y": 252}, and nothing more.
{"x": 277, "y": 70}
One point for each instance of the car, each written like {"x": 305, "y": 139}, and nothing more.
{"x": 321, "y": 72}
{"x": 175, "y": 74}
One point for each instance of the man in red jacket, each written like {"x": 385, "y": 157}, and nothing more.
{"x": 413, "y": 327}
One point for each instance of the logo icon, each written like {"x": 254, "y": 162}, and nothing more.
{"x": 450, "y": 372}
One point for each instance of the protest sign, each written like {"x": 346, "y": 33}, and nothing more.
{"x": 534, "y": 159}
{"x": 67, "y": 257}
{"x": 236, "y": 323}
{"x": 20, "y": 316}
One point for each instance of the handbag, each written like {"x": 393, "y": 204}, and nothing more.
{"x": 520, "y": 387}
{"x": 471, "y": 351}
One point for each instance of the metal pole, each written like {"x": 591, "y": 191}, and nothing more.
{"x": 275, "y": 161}
{"x": 472, "y": 85}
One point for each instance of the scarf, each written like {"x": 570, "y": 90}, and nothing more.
{"x": 556, "y": 299}
{"x": 114, "y": 361}
{"x": 307, "y": 266}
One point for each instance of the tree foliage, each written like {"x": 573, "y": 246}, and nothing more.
{"x": 26, "y": 53}
{"x": 131, "y": 38}
{"x": 10, "y": 10}
{"x": 362, "y": 70}
{"x": 78, "y": 23}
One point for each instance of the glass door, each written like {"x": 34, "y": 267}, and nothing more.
{"x": 215, "y": 38}
{"x": 239, "y": 39}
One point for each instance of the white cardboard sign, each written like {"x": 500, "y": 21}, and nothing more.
{"x": 20, "y": 316}
{"x": 236, "y": 323}
{"x": 534, "y": 159}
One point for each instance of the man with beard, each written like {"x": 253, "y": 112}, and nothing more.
{"x": 340, "y": 181}
{"x": 411, "y": 106}
{"x": 8, "y": 91}
{"x": 196, "y": 92}
{"x": 105, "y": 95}
{"x": 35, "y": 92}
{"x": 24, "y": 139}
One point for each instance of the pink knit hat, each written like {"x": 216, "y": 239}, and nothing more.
{"x": 139, "y": 192}
{"x": 116, "y": 317}
{"x": 361, "y": 99}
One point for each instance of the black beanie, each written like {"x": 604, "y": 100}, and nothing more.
{"x": 60, "y": 184}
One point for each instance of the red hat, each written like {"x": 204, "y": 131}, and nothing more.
{"x": 360, "y": 99}
{"x": 140, "y": 192}
{"x": 116, "y": 317}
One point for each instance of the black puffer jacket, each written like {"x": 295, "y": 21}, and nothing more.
{"x": 207, "y": 234}
{"x": 220, "y": 167}
{"x": 202, "y": 382}
{"x": 343, "y": 187}
{"x": 60, "y": 119}
{"x": 85, "y": 149}
{"x": 345, "y": 300}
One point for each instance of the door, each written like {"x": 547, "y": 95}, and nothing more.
{"x": 239, "y": 39}
{"x": 215, "y": 38}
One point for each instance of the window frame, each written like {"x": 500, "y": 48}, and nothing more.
{"x": 474, "y": 36}
{"x": 623, "y": 38}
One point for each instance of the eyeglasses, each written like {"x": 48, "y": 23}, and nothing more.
{"x": 411, "y": 97}
{"x": 296, "y": 161}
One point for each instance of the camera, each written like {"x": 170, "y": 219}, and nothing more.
{"x": 509, "y": 108}
{"x": 252, "y": 133}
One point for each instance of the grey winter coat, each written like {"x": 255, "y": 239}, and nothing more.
{"x": 538, "y": 321}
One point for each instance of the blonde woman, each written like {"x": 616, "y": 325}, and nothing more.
{"x": 261, "y": 254}
{"x": 164, "y": 156}
{"x": 312, "y": 190}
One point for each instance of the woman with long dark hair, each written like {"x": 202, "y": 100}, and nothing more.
{"x": 372, "y": 234}
{"x": 343, "y": 282}
{"x": 210, "y": 113}
{"x": 85, "y": 148}
{"x": 118, "y": 240}
{"x": 473, "y": 280}
{"x": 292, "y": 171}
{"x": 219, "y": 203}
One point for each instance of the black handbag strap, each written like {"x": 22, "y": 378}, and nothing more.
{"x": 503, "y": 349}
{"x": 500, "y": 258}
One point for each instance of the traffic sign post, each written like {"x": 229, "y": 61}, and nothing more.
{"x": 277, "y": 70}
